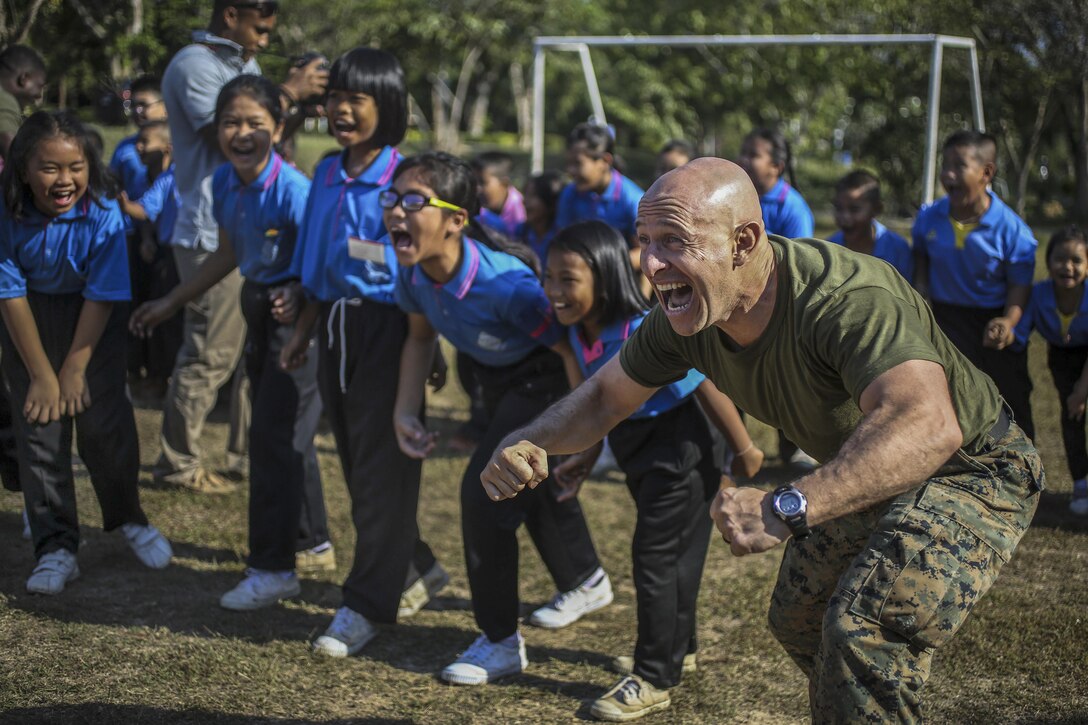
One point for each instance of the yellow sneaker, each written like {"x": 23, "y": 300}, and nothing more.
{"x": 315, "y": 562}
{"x": 631, "y": 698}
{"x": 625, "y": 664}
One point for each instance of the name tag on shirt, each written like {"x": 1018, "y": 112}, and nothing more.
{"x": 366, "y": 250}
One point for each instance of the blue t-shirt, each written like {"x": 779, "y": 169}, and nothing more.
{"x": 537, "y": 242}
{"x": 1042, "y": 314}
{"x": 343, "y": 249}
{"x": 262, "y": 218}
{"x": 82, "y": 250}
{"x": 129, "y": 171}
{"x": 592, "y": 358}
{"x": 998, "y": 252}
{"x": 785, "y": 212}
{"x": 160, "y": 203}
{"x": 493, "y": 309}
{"x": 889, "y": 246}
{"x": 617, "y": 205}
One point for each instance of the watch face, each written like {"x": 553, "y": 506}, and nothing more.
{"x": 789, "y": 503}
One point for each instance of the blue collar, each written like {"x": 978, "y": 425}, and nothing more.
{"x": 616, "y": 332}
{"x": 461, "y": 282}
{"x": 206, "y": 37}
{"x": 265, "y": 179}
{"x": 379, "y": 173}
{"x": 33, "y": 217}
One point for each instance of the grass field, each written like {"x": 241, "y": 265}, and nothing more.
{"x": 127, "y": 645}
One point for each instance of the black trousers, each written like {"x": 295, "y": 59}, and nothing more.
{"x": 9, "y": 455}
{"x": 1008, "y": 368}
{"x": 284, "y": 478}
{"x": 1066, "y": 365}
{"x": 513, "y": 396}
{"x": 358, "y": 371}
{"x": 162, "y": 347}
{"x": 673, "y": 463}
{"x": 105, "y": 432}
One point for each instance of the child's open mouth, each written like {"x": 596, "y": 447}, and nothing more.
{"x": 402, "y": 240}
{"x": 675, "y": 296}
{"x": 341, "y": 127}
{"x": 63, "y": 197}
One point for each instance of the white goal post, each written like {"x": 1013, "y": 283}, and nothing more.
{"x": 582, "y": 44}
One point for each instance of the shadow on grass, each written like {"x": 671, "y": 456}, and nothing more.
{"x": 96, "y": 712}
{"x": 1054, "y": 513}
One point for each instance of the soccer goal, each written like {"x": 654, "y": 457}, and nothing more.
{"x": 582, "y": 44}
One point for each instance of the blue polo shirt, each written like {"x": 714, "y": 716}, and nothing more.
{"x": 592, "y": 358}
{"x": 262, "y": 218}
{"x": 160, "y": 203}
{"x": 1042, "y": 315}
{"x": 889, "y": 246}
{"x": 999, "y": 252}
{"x": 617, "y": 205}
{"x": 82, "y": 250}
{"x": 537, "y": 242}
{"x": 785, "y": 212}
{"x": 493, "y": 309}
{"x": 129, "y": 171}
{"x": 343, "y": 249}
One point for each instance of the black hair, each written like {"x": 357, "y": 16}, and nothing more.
{"x": 547, "y": 186}
{"x": 860, "y": 180}
{"x": 598, "y": 139}
{"x": 616, "y": 293}
{"x": 146, "y": 84}
{"x": 983, "y": 144}
{"x": 44, "y": 125}
{"x": 259, "y": 88}
{"x": 1071, "y": 233}
{"x": 378, "y": 74}
{"x": 454, "y": 181}
{"x": 497, "y": 163}
{"x": 678, "y": 144}
{"x": 16, "y": 59}
{"x": 780, "y": 149}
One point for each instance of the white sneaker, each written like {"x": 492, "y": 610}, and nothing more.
{"x": 260, "y": 589}
{"x": 1079, "y": 505}
{"x": 486, "y": 661}
{"x": 26, "y": 526}
{"x": 422, "y": 591}
{"x": 803, "y": 460}
{"x": 150, "y": 547}
{"x": 569, "y": 607}
{"x": 346, "y": 635}
{"x": 53, "y": 571}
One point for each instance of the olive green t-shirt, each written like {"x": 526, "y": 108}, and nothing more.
{"x": 11, "y": 115}
{"x": 840, "y": 320}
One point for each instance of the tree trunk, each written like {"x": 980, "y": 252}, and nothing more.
{"x": 452, "y": 140}
{"x": 1077, "y": 125}
{"x": 438, "y": 109}
{"x": 523, "y": 105}
{"x": 477, "y": 118}
{"x": 12, "y": 30}
{"x": 1024, "y": 161}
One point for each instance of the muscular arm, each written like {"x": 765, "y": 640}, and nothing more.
{"x": 570, "y": 425}
{"x": 903, "y": 438}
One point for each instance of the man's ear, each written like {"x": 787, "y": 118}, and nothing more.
{"x": 747, "y": 237}
{"x": 989, "y": 170}
{"x": 230, "y": 17}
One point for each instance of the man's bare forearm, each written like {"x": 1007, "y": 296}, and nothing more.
{"x": 572, "y": 424}
{"x": 894, "y": 449}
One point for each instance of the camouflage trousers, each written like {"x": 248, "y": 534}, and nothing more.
{"x": 862, "y": 604}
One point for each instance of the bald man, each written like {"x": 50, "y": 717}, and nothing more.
{"x": 926, "y": 486}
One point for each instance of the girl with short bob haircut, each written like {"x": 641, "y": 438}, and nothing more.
{"x": 63, "y": 291}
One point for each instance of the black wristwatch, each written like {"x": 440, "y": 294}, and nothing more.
{"x": 791, "y": 506}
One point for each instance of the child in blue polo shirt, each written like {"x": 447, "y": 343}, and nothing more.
{"x": 541, "y": 208}
{"x": 975, "y": 261}
{"x": 258, "y": 203}
{"x": 765, "y": 155}
{"x": 1058, "y": 310}
{"x": 598, "y": 190}
{"x": 63, "y": 293}
{"x": 671, "y": 456}
{"x": 490, "y": 305}
{"x": 857, "y": 203}
{"x": 502, "y": 206}
{"x": 347, "y": 269}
